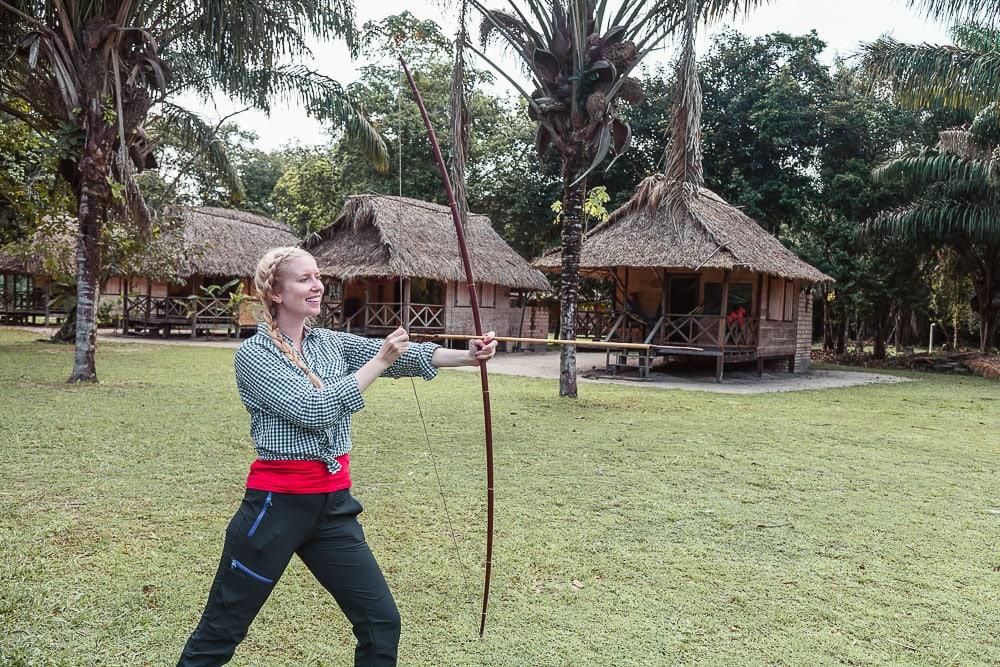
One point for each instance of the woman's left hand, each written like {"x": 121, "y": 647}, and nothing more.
{"x": 483, "y": 349}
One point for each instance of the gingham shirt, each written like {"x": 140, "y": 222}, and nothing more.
{"x": 289, "y": 417}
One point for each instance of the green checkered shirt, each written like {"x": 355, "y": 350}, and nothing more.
{"x": 289, "y": 417}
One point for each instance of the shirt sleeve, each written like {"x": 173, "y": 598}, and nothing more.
{"x": 415, "y": 362}
{"x": 268, "y": 382}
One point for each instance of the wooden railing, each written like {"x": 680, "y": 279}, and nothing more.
{"x": 426, "y": 317}
{"x": 196, "y": 312}
{"x": 23, "y": 301}
{"x": 742, "y": 333}
{"x": 594, "y": 319}
{"x": 709, "y": 331}
{"x": 379, "y": 317}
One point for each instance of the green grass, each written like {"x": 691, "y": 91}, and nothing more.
{"x": 842, "y": 526}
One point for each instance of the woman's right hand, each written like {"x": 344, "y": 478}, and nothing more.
{"x": 393, "y": 346}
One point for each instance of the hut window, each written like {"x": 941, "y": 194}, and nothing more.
{"x": 740, "y": 294}
{"x": 789, "y": 300}
{"x": 425, "y": 290}
{"x": 487, "y": 295}
{"x": 713, "y": 299}
{"x": 776, "y": 299}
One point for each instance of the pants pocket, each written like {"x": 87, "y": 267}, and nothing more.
{"x": 244, "y": 591}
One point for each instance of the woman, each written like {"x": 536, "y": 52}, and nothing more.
{"x": 300, "y": 386}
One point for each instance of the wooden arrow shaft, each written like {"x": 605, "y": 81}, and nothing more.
{"x": 558, "y": 341}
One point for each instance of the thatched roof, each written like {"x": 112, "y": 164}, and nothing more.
{"x": 50, "y": 251}
{"x": 226, "y": 242}
{"x": 381, "y": 235}
{"x": 715, "y": 235}
{"x": 198, "y": 241}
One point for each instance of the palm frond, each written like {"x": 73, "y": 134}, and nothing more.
{"x": 684, "y": 158}
{"x": 190, "y": 132}
{"x": 926, "y": 75}
{"x": 985, "y": 128}
{"x": 976, "y": 36}
{"x": 931, "y": 166}
{"x": 980, "y": 221}
{"x": 323, "y": 98}
{"x": 954, "y": 11}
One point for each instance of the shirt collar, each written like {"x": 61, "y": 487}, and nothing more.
{"x": 265, "y": 329}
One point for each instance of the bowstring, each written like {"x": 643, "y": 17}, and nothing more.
{"x": 463, "y": 568}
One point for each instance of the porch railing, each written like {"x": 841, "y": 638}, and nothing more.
{"x": 162, "y": 312}
{"x": 594, "y": 319}
{"x": 378, "y": 317}
{"x": 23, "y": 301}
{"x": 713, "y": 331}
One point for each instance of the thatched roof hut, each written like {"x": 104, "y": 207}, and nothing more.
{"x": 52, "y": 249}
{"x": 641, "y": 233}
{"x": 382, "y": 235}
{"x": 226, "y": 242}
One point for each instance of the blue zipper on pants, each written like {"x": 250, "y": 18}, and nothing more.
{"x": 263, "y": 511}
{"x": 236, "y": 565}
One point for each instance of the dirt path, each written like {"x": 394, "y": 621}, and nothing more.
{"x": 546, "y": 365}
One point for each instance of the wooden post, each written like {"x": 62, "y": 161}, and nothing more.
{"x": 406, "y": 303}
{"x": 663, "y": 293}
{"x": 126, "y": 286}
{"x": 760, "y": 319}
{"x": 48, "y": 293}
{"x": 725, "y": 304}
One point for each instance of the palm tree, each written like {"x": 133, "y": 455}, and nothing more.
{"x": 579, "y": 55}
{"x": 88, "y": 73}
{"x": 959, "y": 178}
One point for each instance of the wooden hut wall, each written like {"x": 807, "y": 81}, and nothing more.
{"x": 646, "y": 284}
{"x": 778, "y": 322}
{"x": 495, "y": 309}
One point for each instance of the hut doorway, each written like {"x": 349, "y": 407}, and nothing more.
{"x": 682, "y": 295}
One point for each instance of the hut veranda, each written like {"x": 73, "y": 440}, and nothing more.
{"x": 393, "y": 261}
{"x": 713, "y": 280}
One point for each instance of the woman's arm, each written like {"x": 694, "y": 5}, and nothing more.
{"x": 479, "y": 350}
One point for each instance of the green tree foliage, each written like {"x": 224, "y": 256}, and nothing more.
{"x": 29, "y": 187}
{"x": 308, "y": 194}
{"x": 90, "y": 73}
{"x": 957, "y": 202}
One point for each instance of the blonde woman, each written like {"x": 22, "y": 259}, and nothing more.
{"x": 301, "y": 385}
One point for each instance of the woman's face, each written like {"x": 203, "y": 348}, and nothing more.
{"x": 300, "y": 289}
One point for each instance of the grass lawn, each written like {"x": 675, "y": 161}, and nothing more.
{"x": 634, "y": 526}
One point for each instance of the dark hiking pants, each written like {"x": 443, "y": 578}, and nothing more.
{"x": 323, "y": 529}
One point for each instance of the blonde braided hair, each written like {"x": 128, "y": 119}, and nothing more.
{"x": 269, "y": 270}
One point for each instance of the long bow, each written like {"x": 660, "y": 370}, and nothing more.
{"x": 474, "y": 301}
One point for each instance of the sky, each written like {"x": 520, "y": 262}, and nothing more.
{"x": 843, "y": 25}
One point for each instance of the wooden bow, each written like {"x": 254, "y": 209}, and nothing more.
{"x": 474, "y": 301}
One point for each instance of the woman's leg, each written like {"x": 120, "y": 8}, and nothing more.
{"x": 339, "y": 557}
{"x": 260, "y": 540}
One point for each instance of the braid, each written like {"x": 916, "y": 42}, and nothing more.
{"x": 267, "y": 271}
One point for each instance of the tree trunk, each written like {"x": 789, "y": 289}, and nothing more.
{"x": 93, "y": 202}
{"x": 572, "y": 236}
{"x": 842, "y": 336}
{"x": 987, "y": 293}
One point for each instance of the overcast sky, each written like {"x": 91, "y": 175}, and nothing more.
{"x": 842, "y": 25}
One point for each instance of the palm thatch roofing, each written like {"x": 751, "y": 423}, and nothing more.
{"x": 715, "y": 234}
{"x": 50, "y": 251}
{"x": 226, "y": 242}
{"x": 382, "y": 235}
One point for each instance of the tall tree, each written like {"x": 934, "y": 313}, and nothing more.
{"x": 959, "y": 203}
{"x": 92, "y": 71}
{"x": 579, "y": 55}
